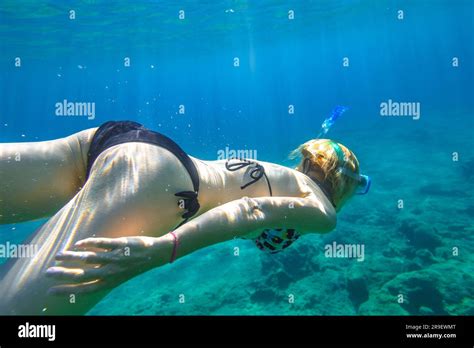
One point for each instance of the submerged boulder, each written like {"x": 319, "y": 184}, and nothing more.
{"x": 358, "y": 290}
{"x": 444, "y": 288}
{"x": 420, "y": 236}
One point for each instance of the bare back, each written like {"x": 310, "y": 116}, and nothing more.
{"x": 130, "y": 192}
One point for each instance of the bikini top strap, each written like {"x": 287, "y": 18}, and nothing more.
{"x": 256, "y": 172}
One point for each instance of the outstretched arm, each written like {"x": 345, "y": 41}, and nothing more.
{"x": 242, "y": 216}
{"x": 129, "y": 256}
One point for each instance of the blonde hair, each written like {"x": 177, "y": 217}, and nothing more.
{"x": 323, "y": 154}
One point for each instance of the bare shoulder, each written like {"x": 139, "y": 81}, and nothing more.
{"x": 287, "y": 181}
{"x": 291, "y": 182}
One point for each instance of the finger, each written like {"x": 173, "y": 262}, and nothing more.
{"x": 102, "y": 243}
{"x": 84, "y": 288}
{"x": 84, "y": 256}
{"x": 74, "y": 274}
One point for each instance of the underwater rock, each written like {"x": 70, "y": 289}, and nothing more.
{"x": 268, "y": 262}
{"x": 383, "y": 269}
{"x": 297, "y": 262}
{"x": 425, "y": 238}
{"x": 263, "y": 295}
{"x": 445, "y": 253}
{"x": 419, "y": 290}
{"x": 425, "y": 311}
{"x": 353, "y": 217}
{"x": 383, "y": 304}
{"x": 424, "y": 257}
{"x": 412, "y": 265}
{"x": 166, "y": 298}
{"x": 318, "y": 297}
{"x": 469, "y": 210}
{"x": 468, "y": 307}
{"x": 456, "y": 231}
{"x": 335, "y": 280}
{"x": 420, "y": 236}
{"x": 279, "y": 279}
{"x": 444, "y": 288}
{"x": 358, "y": 290}
{"x": 394, "y": 250}
{"x": 383, "y": 218}
{"x": 456, "y": 228}
{"x": 436, "y": 189}
{"x": 467, "y": 169}
{"x": 305, "y": 249}
{"x": 390, "y": 252}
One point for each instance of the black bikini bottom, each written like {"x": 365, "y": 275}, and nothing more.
{"x": 118, "y": 132}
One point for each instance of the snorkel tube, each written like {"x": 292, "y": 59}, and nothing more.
{"x": 329, "y": 122}
{"x": 364, "y": 181}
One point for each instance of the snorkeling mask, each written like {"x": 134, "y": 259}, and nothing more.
{"x": 363, "y": 181}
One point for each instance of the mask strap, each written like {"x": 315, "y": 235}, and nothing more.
{"x": 340, "y": 154}
{"x": 306, "y": 165}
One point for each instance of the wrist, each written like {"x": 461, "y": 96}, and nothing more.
{"x": 163, "y": 249}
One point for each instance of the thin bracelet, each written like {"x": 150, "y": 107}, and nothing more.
{"x": 175, "y": 246}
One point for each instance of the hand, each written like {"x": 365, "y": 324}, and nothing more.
{"x": 123, "y": 259}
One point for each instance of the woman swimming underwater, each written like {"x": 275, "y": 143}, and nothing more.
{"x": 123, "y": 200}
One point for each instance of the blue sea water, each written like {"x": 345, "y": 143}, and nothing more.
{"x": 263, "y": 75}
